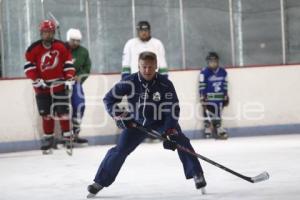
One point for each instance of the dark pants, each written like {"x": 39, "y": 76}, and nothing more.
{"x": 212, "y": 112}
{"x": 55, "y": 104}
{"x": 50, "y": 105}
{"x": 128, "y": 141}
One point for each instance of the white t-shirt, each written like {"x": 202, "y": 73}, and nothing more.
{"x": 134, "y": 47}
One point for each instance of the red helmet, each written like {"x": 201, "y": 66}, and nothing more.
{"x": 47, "y": 25}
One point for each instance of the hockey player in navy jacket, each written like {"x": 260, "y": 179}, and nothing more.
{"x": 153, "y": 103}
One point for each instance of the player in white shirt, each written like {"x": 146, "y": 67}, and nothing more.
{"x": 144, "y": 42}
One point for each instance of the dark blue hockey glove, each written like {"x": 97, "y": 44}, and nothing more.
{"x": 124, "y": 121}
{"x": 171, "y": 135}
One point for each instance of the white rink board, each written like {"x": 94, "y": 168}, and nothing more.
{"x": 273, "y": 88}
{"x": 153, "y": 173}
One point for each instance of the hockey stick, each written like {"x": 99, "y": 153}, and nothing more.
{"x": 68, "y": 142}
{"x": 69, "y": 146}
{"x": 50, "y": 14}
{"x": 261, "y": 177}
{"x": 212, "y": 126}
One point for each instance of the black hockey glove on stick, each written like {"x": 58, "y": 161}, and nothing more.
{"x": 171, "y": 136}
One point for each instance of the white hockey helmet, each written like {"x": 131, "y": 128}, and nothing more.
{"x": 74, "y": 34}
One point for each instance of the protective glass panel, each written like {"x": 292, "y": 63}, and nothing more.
{"x": 293, "y": 31}
{"x": 20, "y": 22}
{"x": 164, "y": 18}
{"x": 258, "y": 34}
{"x": 206, "y": 28}
{"x": 67, "y": 15}
{"x": 110, "y": 28}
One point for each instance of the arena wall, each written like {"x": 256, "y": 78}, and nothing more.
{"x": 263, "y": 100}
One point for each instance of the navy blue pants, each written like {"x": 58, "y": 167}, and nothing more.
{"x": 128, "y": 141}
{"x": 78, "y": 105}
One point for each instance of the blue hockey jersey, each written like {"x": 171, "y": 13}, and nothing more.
{"x": 151, "y": 103}
{"x": 213, "y": 84}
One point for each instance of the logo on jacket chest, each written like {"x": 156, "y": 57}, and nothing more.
{"x": 156, "y": 96}
{"x": 215, "y": 78}
{"x": 49, "y": 60}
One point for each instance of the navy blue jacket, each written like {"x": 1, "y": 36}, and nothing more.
{"x": 153, "y": 104}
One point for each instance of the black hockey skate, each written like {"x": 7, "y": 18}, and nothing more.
{"x": 200, "y": 182}
{"x": 55, "y": 143}
{"x": 47, "y": 144}
{"x": 93, "y": 190}
{"x": 76, "y": 131}
{"x": 80, "y": 140}
{"x": 221, "y": 134}
{"x": 207, "y": 133}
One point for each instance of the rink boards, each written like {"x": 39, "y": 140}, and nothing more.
{"x": 263, "y": 100}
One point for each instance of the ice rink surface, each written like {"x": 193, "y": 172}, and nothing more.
{"x": 154, "y": 173}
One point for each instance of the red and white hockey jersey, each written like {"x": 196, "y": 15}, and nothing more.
{"x": 50, "y": 64}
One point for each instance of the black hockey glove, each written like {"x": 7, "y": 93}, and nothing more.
{"x": 171, "y": 135}
{"x": 226, "y": 101}
{"x": 203, "y": 99}
{"x": 124, "y": 121}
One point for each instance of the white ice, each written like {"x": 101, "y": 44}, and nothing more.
{"x": 153, "y": 173}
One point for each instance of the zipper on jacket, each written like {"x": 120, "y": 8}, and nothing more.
{"x": 145, "y": 99}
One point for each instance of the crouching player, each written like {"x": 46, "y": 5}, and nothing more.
{"x": 154, "y": 104}
{"x": 213, "y": 96}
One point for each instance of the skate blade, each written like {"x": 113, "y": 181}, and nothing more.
{"x": 203, "y": 191}
{"x": 207, "y": 136}
{"x": 70, "y": 153}
{"x": 47, "y": 152}
{"x": 221, "y": 138}
{"x": 90, "y": 195}
{"x": 80, "y": 145}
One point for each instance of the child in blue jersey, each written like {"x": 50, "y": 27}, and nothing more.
{"x": 213, "y": 96}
